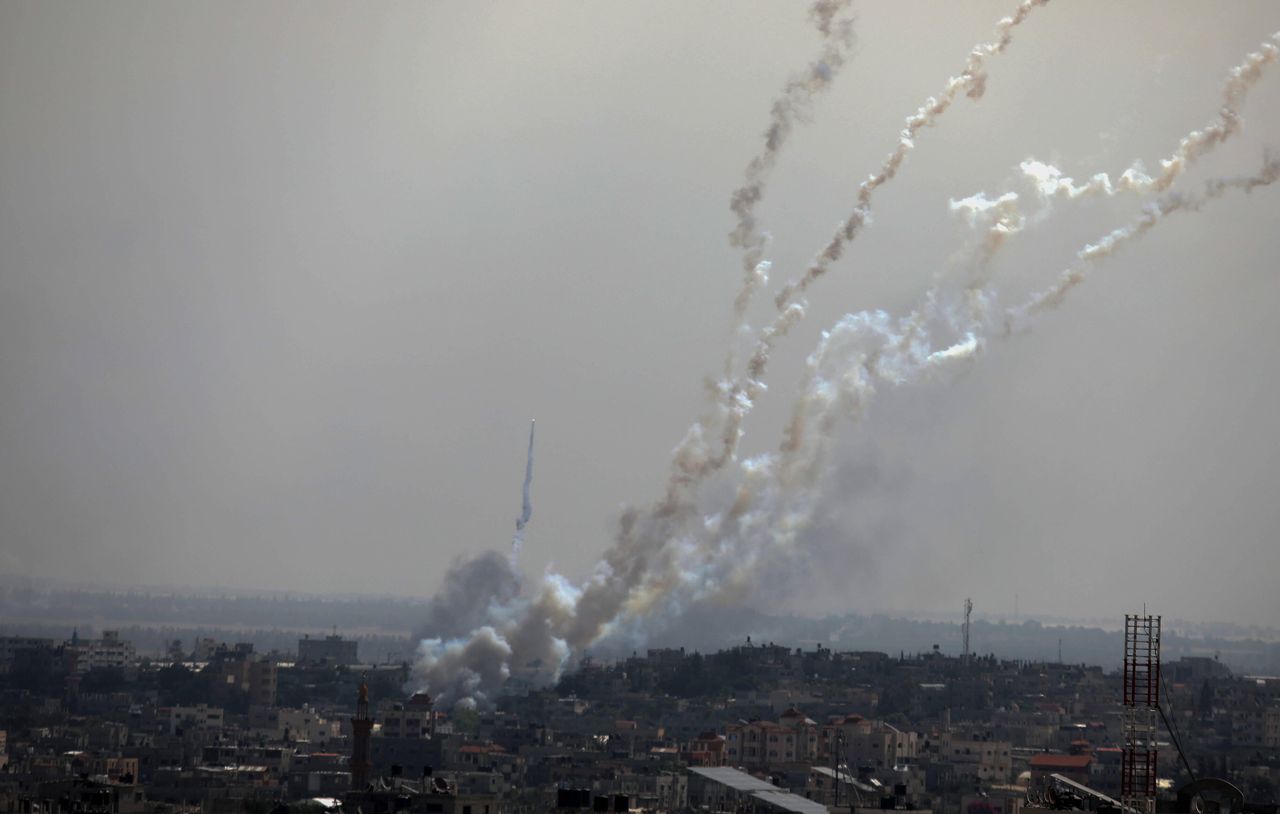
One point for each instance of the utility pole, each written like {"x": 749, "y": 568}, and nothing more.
{"x": 835, "y": 762}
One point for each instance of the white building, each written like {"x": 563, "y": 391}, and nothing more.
{"x": 304, "y": 724}
{"x": 198, "y": 718}
{"x": 413, "y": 719}
{"x": 108, "y": 652}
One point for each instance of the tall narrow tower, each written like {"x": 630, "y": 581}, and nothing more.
{"x": 968, "y": 609}
{"x": 361, "y": 726}
{"x": 1141, "y": 700}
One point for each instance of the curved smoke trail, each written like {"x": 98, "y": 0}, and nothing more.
{"x": 793, "y": 104}
{"x": 1152, "y": 214}
{"x": 870, "y": 351}
{"x": 871, "y": 348}
{"x": 736, "y": 398}
{"x": 973, "y": 82}
{"x": 678, "y": 551}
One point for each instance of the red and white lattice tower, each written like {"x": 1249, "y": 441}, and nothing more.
{"x": 1141, "y": 699}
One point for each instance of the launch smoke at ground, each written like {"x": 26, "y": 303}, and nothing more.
{"x": 722, "y": 521}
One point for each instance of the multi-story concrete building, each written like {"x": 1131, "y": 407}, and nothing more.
{"x": 975, "y": 756}
{"x": 414, "y": 718}
{"x": 239, "y": 668}
{"x": 330, "y": 650}
{"x": 708, "y": 749}
{"x": 200, "y": 717}
{"x": 15, "y": 647}
{"x": 1271, "y": 727}
{"x": 305, "y": 724}
{"x": 760, "y": 744}
{"x": 108, "y": 652}
{"x": 863, "y": 742}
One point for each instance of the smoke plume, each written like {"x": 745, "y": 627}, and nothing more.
{"x": 723, "y": 522}
{"x": 972, "y": 81}
{"x": 473, "y": 589}
{"x": 736, "y": 398}
{"x": 793, "y": 104}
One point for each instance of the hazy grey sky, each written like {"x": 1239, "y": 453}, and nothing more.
{"x": 281, "y": 285}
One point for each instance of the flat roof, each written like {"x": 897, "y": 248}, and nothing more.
{"x": 787, "y": 801}
{"x": 845, "y": 777}
{"x": 733, "y": 778}
{"x": 1067, "y": 781}
{"x": 761, "y": 790}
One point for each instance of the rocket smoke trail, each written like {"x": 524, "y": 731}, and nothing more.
{"x": 861, "y": 355}
{"x": 738, "y": 398}
{"x": 973, "y": 81}
{"x": 697, "y": 542}
{"x": 796, "y": 97}
{"x": 871, "y": 350}
{"x": 792, "y": 105}
{"x": 526, "y": 507}
{"x": 1152, "y": 214}
{"x": 1005, "y": 219}
{"x": 898, "y": 351}
{"x": 1051, "y": 183}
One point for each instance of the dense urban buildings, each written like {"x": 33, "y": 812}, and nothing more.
{"x": 89, "y": 724}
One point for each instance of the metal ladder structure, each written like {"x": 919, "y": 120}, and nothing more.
{"x": 1141, "y": 703}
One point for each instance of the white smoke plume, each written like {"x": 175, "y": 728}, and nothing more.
{"x": 1001, "y": 218}
{"x": 1050, "y": 183}
{"x": 794, "y": 103}
{"x": 736, "y": 398}
{"x": 880, "y": 350}
{"x": 623, "y": 585}
{"x": 1152, "y": 214}
{"x": 867, "y": 352}
{"x": 526, "y": 505}
{"x": 836, "y": 28}
{"x": 474, "y": 590}
{"x": 972, "y": 81}
{"x": 723, "y": 521}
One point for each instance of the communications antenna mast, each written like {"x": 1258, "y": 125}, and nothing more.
{"x": 968, "y": 609}
{"x": 1141, "y": 703}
